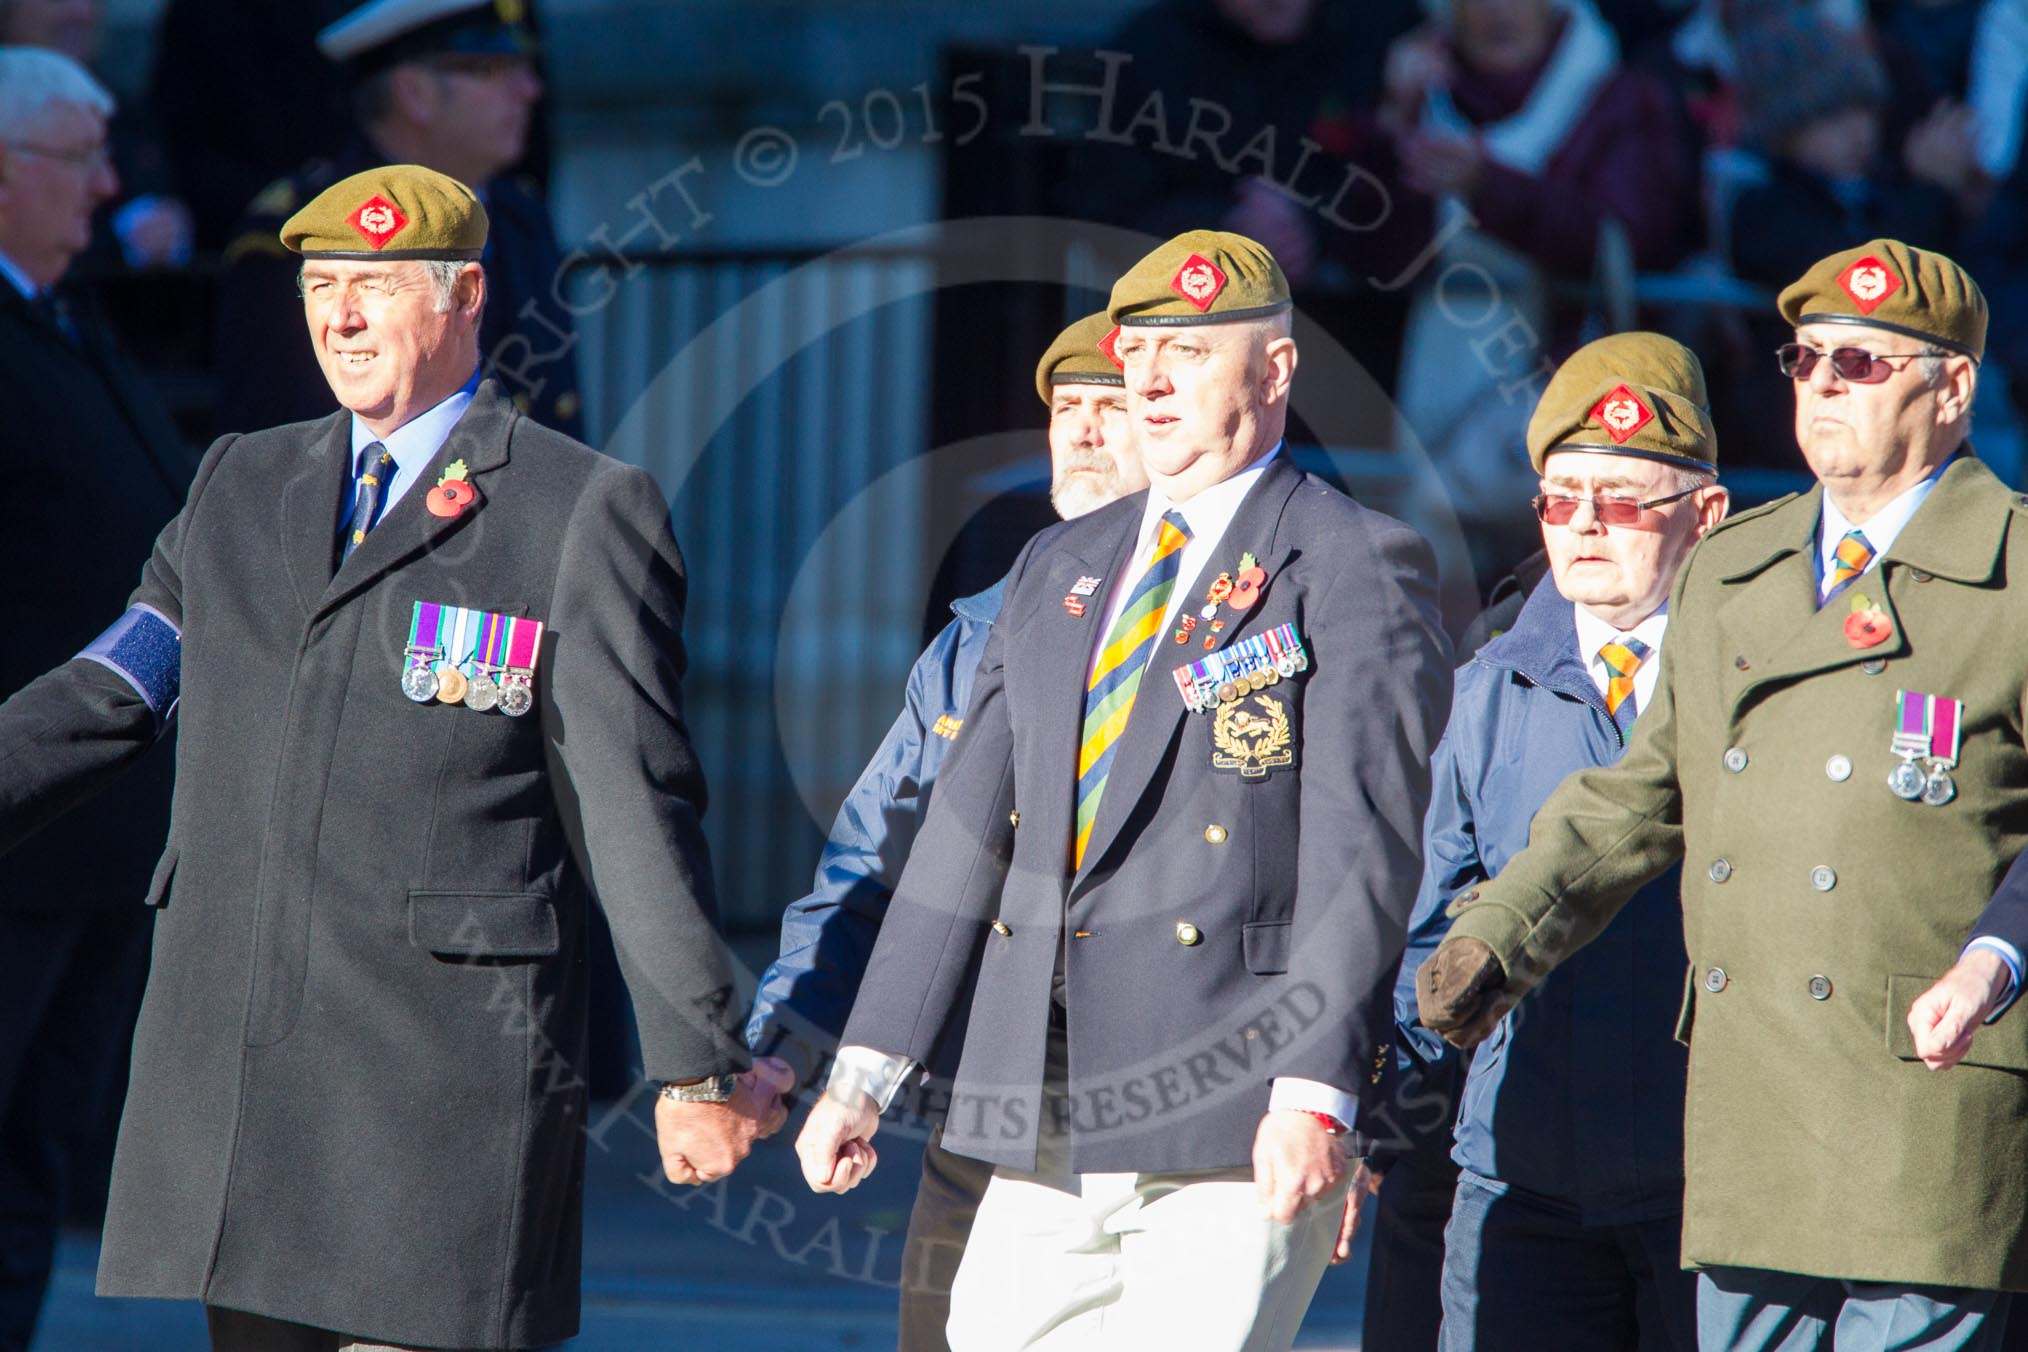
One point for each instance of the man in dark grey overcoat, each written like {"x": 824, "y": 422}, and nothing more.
{"x": 424, "y": 657}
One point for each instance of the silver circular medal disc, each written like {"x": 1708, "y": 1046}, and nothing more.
{"x": 1907, "y": 781}
{"x": 482, "y": 694}
{"x": 1940, "y": 788}
{"x": 1286, "y": 665}
{"x": 516, "y": 699}
{"x": 419, "y": 684}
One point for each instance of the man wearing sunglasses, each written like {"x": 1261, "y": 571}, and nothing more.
{"x": 1835, "y": 750}
{"x": 1569, "y": 1205}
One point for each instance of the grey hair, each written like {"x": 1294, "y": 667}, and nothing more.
{"x": 1682, "y": 479}
{"x": 443, "y": 274}
{"x": 34, "y": 80}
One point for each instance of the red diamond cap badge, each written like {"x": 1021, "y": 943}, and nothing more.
{"x": 1868, "y": 282}
{"x": 1622, "y": 414}
{"x": 1198, "y": 281}
{"x": 377, "y": 220}
{"x": 1110, "y": 346}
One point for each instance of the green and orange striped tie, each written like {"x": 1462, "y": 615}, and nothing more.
{"x": 1623, "y": 657}
{"x": 1851, "y": 558}
{"x": 1116, "y": 675}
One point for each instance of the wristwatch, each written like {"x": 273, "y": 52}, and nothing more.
{"x": 710, "y": 1089}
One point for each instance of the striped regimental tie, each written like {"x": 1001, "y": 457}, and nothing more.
{"x": 1852, "y": 557}
{"x": 1623, "y": 657}
{"x": 1116, "y": 675}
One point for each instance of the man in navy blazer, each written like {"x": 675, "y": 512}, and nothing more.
{"x": 1178, "y": 839}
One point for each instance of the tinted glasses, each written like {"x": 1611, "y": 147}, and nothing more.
{"x": 1853, "y": 364}
{"x": 1558, "y": 509}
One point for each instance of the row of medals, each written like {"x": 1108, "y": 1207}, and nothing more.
{"x": 512, "y": 693}
{"x": 1910, "y": 782}
{"x": 1260, "y": 678}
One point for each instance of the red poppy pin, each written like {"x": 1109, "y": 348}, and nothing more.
{"x": 1867, "y": 626}
{"x": 453, "y": 493}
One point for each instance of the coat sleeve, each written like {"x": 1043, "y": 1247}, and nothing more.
{"x": 69, "y": 732}
{"x": 628, "y": 786}
{"x": 1601, "y": 835}
{"x": 1450, "y": 864}
{"x": 1378, "y": 696}
{"x": 936, "y": 923}
{"x": 828, "y": 934}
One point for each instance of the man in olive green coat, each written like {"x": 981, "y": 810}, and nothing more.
{"x": 1835, "y": 751}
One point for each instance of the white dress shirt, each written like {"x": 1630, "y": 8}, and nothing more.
{"x": 1880, "y": 530}
{"x": 1594, "y": 633}
{"x": 1208, "y": 515}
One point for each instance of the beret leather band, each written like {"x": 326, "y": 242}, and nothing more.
{"x": 399, "y": 255}
{"x": 1147, "y": 321}
{"x": 1862, "y": 322}
{"x": 1633, "y": 453}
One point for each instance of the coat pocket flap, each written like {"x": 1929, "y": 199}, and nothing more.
{"x": 165, "y": 873}
{"x": 482, "y": 924}
{"x": 2001, "y": 1046}
{"x": 1266, "y": 945}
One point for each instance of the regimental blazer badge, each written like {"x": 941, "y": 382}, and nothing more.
{"x": 1252, "y": 735}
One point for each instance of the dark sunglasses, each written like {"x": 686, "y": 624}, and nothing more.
{"x": 1558, "y": 509}
{"x": 1853, "y": 364}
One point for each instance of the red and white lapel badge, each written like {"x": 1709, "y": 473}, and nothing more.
{"x": 1869, "y": 282}
{"x": 1198, "y": 281}
{"x": 1622, "y": 414}
{"x": 1110, "y": 345}
{"x": 1073, "y": 604}
{"x": 377, "y": 220}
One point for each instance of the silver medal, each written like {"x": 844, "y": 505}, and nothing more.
{"x": 516, "y": 698}
{"x": 1907, "y": 780}
{"x": 482, "y": 694}
{"x": 1939, "y": 788}
{"x": 419, "y": 683}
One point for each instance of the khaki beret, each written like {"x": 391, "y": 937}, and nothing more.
{"x": 399, "y": 211}
{"x": 1889, "y": 285}
{"x": 1637, "y": 394}
{"x": 1200, "y": 277}
{"x": 1081, "y": 355}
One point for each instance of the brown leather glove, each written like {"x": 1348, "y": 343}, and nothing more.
{"x": 1458, "y": 992}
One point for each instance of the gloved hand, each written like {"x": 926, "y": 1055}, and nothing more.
{"x": 1460, "y": 992}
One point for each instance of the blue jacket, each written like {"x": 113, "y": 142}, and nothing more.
{"x": 827, "y": 936}
{"x": 1577, "y": 1097}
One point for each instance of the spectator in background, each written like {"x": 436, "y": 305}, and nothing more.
{"x": 150, "y": 227}
{"x": 1516, "y": 138}
{"x": 1998, "y": 88}
{"x": 93, "y": 471}
{"x": 1813, "y": 103}
{"x": 450, "y": 85}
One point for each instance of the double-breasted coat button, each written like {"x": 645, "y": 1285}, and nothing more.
{"x": 1873, "y": 666}
{"x": 1714, "y": 980}
{"x": 1735, "y": 759}
{"x": 1000, "y": 928}
{"x": 1838, "y": 769}
{"x": 1820, "y": 988}
{"x": 1921, "y": 576}
{"x": 1188, "y": 934}
{"x": 1823, "y": 877}
{"x": 1720, "y": 870}
{"x": 1214, "y": 834}
{"x": 1014, "y": 818}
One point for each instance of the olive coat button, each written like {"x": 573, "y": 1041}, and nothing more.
{"x": 1921, "y": 576}
{"x": 1000, "y": 928}
{"x": 1820, "y": 988}
{"x": 1188, "y": 934}
{"x": 1720, "y": 870}
{"x": 1214, "y": 834}
{"x": 1823, "y": 877}
{"x": 1735, "y": 759}
{"x": 1873, "y": 666}
{"x": 1714, "y": 980}
{"x": 1838, "y": 769}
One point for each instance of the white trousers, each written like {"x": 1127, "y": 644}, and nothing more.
{"x": 1183, "y": 1261}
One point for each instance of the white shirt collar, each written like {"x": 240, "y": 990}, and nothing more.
{"x": 1211, "y": 510}
{"x": 1881, "y": 531}
{"x": 20, "y": 280}
{"x": 1594, "y": 633}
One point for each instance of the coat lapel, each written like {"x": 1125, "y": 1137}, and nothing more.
{"x": 1158, "y": 710}
{"x": 310, "y": 504}
{"x": 409, "y": 528}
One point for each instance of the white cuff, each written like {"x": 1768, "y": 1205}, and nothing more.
{"x": 876, "y": 1074}
{"x": 1309, "y": 1096}
{"x": 2009, "y": 955}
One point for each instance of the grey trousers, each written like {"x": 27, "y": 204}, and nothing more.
{"x": 238, "y": 1331}
{"x": 1750, "y": 1310}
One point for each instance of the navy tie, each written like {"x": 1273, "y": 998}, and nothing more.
{"x": 376, "y": 466}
